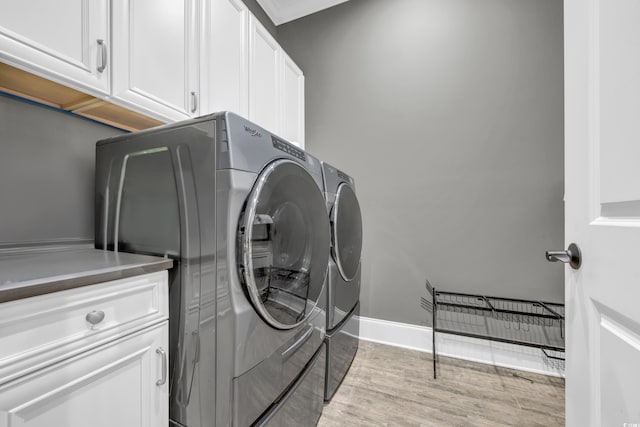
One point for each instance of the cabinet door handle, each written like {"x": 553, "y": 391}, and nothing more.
{"x": 95, "y": 317}
{"x": 194, "y": 102}
{"x": 102, "y": 55}
{"x": 162, "y": 354}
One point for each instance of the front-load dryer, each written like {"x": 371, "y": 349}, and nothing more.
{"x": 343, "y": 290}
{"x": 242, "y": 213}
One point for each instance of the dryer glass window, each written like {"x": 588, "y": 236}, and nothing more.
{"x": 347, "y": 232}
{"x": 284, "y": 241}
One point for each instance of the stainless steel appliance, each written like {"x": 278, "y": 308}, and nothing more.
{"x": 243, "y": 215}
{"x": 343, "y": 290}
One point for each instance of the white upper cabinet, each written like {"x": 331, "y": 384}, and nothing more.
{"x": 292, "y": 102}
{"x": 264, "y": 77}
{"x": 155, "y": 63}
{"x": 161, "y": 58}
{"x": 63, "y": 40}
{"x": 244, "y": 70}
{"x": 225, "y": 56}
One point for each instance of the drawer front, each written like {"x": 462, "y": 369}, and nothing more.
{"x": 342, "y": 346}
{"x": 38, "y": 331}
{"x": 296, "y": 358}
{"x": 302, "y": 405}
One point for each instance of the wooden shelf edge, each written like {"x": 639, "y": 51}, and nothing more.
{"x": 29, "y": 86}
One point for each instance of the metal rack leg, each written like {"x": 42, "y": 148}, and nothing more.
{"x": 433, "y": 332}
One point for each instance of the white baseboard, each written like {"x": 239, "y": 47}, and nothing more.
{"x": 476, "y": 350}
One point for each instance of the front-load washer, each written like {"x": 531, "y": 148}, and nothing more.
{"x": 343, "y": 290}
{"x": 242, "y": 213}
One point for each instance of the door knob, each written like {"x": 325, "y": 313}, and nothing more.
{"x": 572, "y": 256}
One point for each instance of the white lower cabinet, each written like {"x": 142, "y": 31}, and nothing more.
{"x": 123, "y": 383}
{"x": 92, "y": 356}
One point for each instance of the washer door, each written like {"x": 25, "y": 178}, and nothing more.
{"x": 347, "y": 232}
{"x": 284, "y": 239}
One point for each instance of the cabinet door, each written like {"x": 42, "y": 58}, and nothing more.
{"x": 292, "y": 102}
{"x": 155, "y": 64}
{"x": 118, "y": 384}
{"x": 63, "y": 40}
{"x": 225, "y": 55}
{"x": 264, "y": 77}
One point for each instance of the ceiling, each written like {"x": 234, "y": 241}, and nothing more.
{"x": 281, "y": 11}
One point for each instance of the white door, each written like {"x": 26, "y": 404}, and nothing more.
{"x": 292, "y": 102}
{"x": 264, "y": 77}
{"x": 602, "y": 174}
{"x": 123, "y": 383}
{"x": 64, "y": 40}
{"x": 225, "y": 55}
{"x": 155, "y": 64}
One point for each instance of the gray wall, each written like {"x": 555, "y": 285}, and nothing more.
{"x": 46, "y": 173}
{"x": 449, "y": 114}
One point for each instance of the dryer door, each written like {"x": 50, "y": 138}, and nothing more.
{"x": 347, "y": 232}
{"x": 284, "y": 239}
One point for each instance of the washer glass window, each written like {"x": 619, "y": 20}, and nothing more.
{"x": 284, "y": 244}
{"x": 347, "y": 232}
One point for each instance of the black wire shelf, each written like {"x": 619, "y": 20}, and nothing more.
{"x": 529, "y": 323}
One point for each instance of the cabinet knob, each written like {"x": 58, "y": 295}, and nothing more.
{"x": 95, "y": 317}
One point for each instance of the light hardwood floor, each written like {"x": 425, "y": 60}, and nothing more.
{"x": 390, "y": 386}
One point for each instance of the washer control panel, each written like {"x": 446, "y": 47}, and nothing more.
{"x": 288, "y": 148}
{"x": 344, "y": 176}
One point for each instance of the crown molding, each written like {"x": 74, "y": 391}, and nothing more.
{"x": 282, "y": 11}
